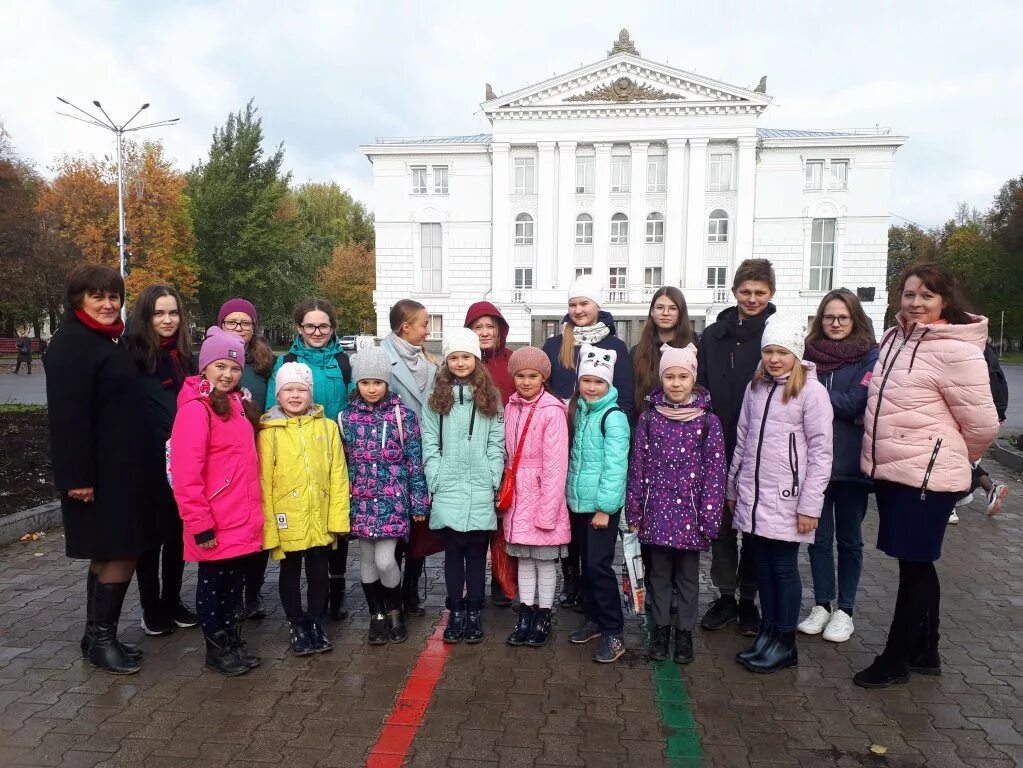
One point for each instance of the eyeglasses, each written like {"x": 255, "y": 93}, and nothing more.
{"x": 237, "y": 325}
{"x": 840, "y": 320}
{"x": 317, "y": 330}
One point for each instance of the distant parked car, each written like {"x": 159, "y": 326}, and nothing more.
{"x": 348, "y": 343}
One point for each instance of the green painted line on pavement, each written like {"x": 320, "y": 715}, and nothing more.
{"x": 672, "y": 700}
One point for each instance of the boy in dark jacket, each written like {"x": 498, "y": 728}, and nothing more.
{"x": 729, "y": 353}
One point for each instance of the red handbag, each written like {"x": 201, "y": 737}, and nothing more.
{"x": 506, "y": 493}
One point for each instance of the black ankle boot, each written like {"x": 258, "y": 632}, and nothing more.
{"x": 473, "y": 632}
{"x": 410, "y": 587}
{"x": 338, "y": 612}
{"x": 779, "y": 653}
{"x": 378, "y": 629}
{"x": 659, "y": 643}
{"x": 222, "y": 657}
{"x": 525, "y": 622}
{"x": 105, "y": 651}
{"x": 234, "y": 635}
{"x": 883, "y": 673}
{"x": 569, "y": 597}
{"x": 454, "y": 632}
{"x": 763, "y": 638}
{"x": 302, "y": 638}
{"x": 321, "y": 643}
{"x": 397, "y": 632}
{"x": 683, "y": 646}
{"x": 541, "y": 629}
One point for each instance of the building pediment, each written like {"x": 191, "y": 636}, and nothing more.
{"x": 625, "y": 81}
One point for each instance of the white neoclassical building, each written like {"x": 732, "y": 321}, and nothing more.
{"x": 637, "y": 172}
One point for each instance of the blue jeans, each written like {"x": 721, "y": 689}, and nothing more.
{"x": 845, "y": 506}
{"x": 778, "y": 582}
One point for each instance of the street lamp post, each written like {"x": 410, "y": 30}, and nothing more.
{"x": 118, "y": 130}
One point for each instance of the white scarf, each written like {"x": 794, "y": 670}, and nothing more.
{"x": 590, "y": 334}
{"x": 415, "y": 361}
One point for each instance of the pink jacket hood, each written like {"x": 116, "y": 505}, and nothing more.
{"x": 782, "y": 461}
{"x": 930, "y": 413}
{"x": 214, "y": 472}
{"x": 539, "y": 515}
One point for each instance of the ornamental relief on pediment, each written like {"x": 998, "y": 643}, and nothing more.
{"x": 625, "y": 89}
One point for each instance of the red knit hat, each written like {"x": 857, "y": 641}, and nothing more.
{"x": 529, "y": 359}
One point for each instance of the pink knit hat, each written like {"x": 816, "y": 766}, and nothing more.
{"x": 529, "y": 359}
{"x": 221, "y": 345}
{"x": 673, "y": 357}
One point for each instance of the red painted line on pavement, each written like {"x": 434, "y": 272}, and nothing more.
{"x": 410, "y": 707}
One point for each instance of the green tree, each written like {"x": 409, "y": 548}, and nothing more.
{"x": 348, "y": 282}
{"x": 332, "y": 217}
{"x": 19, "y": 239}
{"x": 907, "y": 245}
{"x": 246, "y": 224}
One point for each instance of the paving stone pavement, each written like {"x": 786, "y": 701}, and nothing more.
{"x": 498, "y": 706}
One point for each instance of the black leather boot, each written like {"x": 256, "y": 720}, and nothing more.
{"x": 473, "y": 632}
{"x": 525, "y": 622}
{"x": 396, "y": 630}
{"x": 234, "y": 634}
{"x": 763, "y": 638}
{"x": 301, "y": 638}
{"x": 569, "y": 596}
{"x": 222, "y": 657}
{"x": 321, "y": 643}
{"x": 659, "y": 640}
{"x": 133, "y": 651}
{"x": 104, "y": 651}
{"x": 410, "y": 587}
{"x": 338, "y": 612}
{"x": 683, "y": 653}
{"x": 779, "y": 653}
{"x": 541, "y": 629}
{"x": 378, "y": 629}
{"x": 925, "y": 659}
{"x": 454, "y": 632}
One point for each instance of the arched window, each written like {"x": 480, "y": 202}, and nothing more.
{"x": 619, "y": 229}
{"x": 717, "y": 227}
{"x": 655, "y": 228}
{"x": 523, "y": 229}
{"x": 584, "y": 229}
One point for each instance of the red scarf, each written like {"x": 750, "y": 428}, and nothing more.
{"x": 112, "y": 332}
{"x": 171, "y": 374}
{"x": 830, "y": 355}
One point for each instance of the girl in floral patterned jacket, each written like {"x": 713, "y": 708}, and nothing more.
{"x": 388, "y": 486}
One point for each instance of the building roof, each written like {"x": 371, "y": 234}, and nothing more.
{"x": 789, "y": 133}
{"x": 479, "y": 138}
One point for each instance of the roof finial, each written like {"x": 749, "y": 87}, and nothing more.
{"x": 490, "y": 95}
{"x": 623, "y": 44}
{"x": 761, "y": 86}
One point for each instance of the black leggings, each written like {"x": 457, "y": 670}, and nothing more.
{"x": 317, "y": 584}
{"x": 465, "y": 566}
{"x": 915, "y": 623}
{"x": 171, "y": 555}
{"x": 255, "y": 574}
{"x": 218, "y": 592}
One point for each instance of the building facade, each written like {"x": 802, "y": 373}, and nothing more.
{"x": 637, "y": 172}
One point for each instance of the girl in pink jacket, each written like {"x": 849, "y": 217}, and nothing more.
{"x": 537, "y": 525}
{"x": 780, "y": 470}
{"x": 214, "y": 471}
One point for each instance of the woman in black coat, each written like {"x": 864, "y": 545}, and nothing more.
{"x": 96, "y": 406}
{"x": 158, "y": 339}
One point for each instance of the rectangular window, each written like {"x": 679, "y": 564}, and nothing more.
{"x": 585, "y": 171}
{"x": 431, "y": 258}
{"x": 720, "y": 173}
{"x": 617, "y": 283}
{"x": 619, "y": 230}
{"x": 839, "y": 174}
{"x": 440, "y": 179}
{"x": 551, "y": 328}
{"x": 716, "y": 281}
{"x": 580, "y": 271}
{"x": 418, "y": 180}
{"x": 656, "y": 173}
{"x": 436, "y": 326}
{"x": 525, "y": 176}
{"x": 653, "y": 278}
{"x": 523, "y": 230}
{"x": 822, "y": 254}
{"x": 584, "y": 231}
{"x": 814, "y": 174}
{"x": 655, "y": 230}
{"x": 621, "y": 172}
{"x": 523, "y": 282}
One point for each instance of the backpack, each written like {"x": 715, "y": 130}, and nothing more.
{"x": 342, "y": 360}
{"x": 603, "y": 419}
{"x": 999, "y": 386}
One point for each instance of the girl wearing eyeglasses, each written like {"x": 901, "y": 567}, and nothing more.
{"x": 841, "y": 344}
{"x": 317, "y": 346}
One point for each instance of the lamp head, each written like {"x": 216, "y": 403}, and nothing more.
{"x": 96, "y": 103}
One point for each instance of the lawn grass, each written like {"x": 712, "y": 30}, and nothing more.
{"x": 1011, "y": 358}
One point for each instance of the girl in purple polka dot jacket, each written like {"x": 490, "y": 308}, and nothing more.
{"x": 675, "y": 494}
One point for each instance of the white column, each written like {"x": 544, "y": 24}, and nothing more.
{"x": 500, "y": 246}
{"x": 674, "y": 215}
{"x": 637, "y": 214}
{"x": 696, "y": 227}
{"x": 746, "y": 174}
{"x": 566, "y": 214}
{"x": 601, "y": 208}
{"x": 545, "y": 224}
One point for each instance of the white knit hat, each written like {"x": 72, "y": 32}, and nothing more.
{"x": 293, "y": 373}
{"x": 461, "y": 340}
{"x": 595, "y": 361}
{"x": 586, "y": 287}
{"x": 786, "y": 331}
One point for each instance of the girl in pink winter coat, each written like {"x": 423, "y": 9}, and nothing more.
{"x": 537, "y": 525}
{"x": 214, "y": 471}
{"x": 776, "y": 484}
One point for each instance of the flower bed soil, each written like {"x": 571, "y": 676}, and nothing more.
{"x": 26, "y": 478}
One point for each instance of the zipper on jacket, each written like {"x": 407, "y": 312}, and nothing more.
{"x": 221, "y": 489}
{"x": 794, "y": 465}
{"x": 930, "y": 466}
{"x": 880, "y": 400}
{"x": 472, "y": 421}
{"x": 756, "y": 468}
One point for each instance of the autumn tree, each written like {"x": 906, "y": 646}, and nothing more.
{"x": 348, "y": 282}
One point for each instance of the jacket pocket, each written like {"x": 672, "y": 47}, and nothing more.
{"x": 291, "y": 517}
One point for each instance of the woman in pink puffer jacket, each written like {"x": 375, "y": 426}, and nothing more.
{"x": 929, "y": 416}
{"x": 780, "y": 470}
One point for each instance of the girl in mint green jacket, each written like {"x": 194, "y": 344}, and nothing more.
{"x": 597, "y": 469}
{"x": 463, "y": 455}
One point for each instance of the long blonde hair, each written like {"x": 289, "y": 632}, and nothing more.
{"x": 567, "y": 355}
{"x": 794, "y": 385}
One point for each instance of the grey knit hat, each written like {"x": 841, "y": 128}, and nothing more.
{"x": 372, "y": 363}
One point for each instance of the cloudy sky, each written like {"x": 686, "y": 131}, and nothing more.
{"x": 329, "y": 76}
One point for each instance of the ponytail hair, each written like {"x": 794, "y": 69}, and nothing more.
{"x": 567, "y": 355}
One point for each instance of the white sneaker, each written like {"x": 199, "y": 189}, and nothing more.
{"x": 953, "y": 518}
{"x": 966, "y": 500}
{"x": 840, "y": 628}
{"x": 995, "y": 498}
{"x": 814, "y": 623}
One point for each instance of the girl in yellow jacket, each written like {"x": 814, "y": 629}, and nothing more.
{"x": 304, "y": 482}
